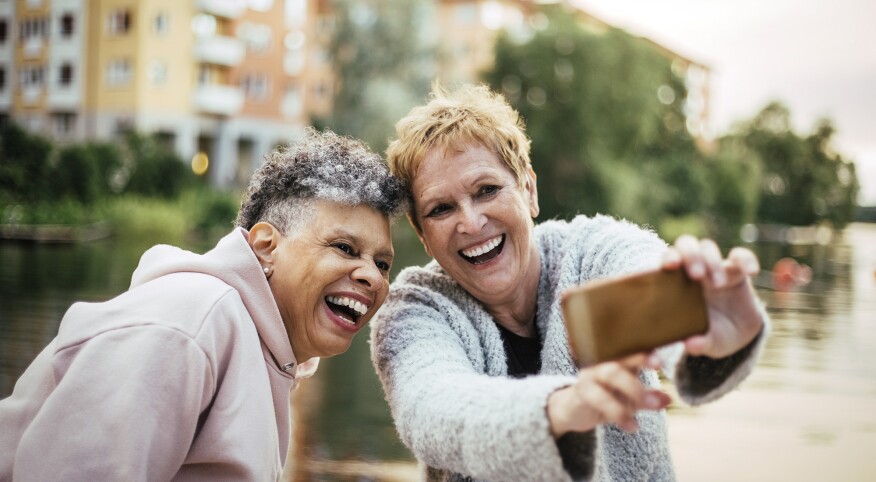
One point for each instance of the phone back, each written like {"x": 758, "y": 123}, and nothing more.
{"x": 612, "y": 318}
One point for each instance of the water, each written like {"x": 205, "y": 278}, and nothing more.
{"x": 807, "y": 413}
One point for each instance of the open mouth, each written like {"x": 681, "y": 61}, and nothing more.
{"x": 484, "y": 252}
{"x": 347, "y": 309}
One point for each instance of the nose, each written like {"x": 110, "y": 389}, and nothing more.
{"x": 368, "y": 275}
{"x": 471, "y": 220}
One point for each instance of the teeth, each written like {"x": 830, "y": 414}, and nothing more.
{"x": 479, "y": 250}
{"x": 358, "y": 307}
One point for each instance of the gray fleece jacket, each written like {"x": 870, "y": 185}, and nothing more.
{"x": 442, "y": 363}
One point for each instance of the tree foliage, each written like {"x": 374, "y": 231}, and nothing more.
{"x": 382, "y": 66}
{"x": 602, "y": 138}
{"x": 803, "y": 181}
{"x": 605, "y": 112}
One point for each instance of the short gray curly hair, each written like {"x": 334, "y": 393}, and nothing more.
{"x": 319, "y": 166}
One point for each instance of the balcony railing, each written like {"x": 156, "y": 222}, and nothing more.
{"x": 33, "y": 47}
{"x": 31, "y": 95}
{"x": 218, "y": 99}
{"x": 64, "y": 97}
{"x": 220, "y": 49}
{"x": 223, "y": 8}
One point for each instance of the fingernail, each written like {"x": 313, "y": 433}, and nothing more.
{"x": 696, "y": 269}
{"x": 719, "y": 279}
{"x": 652, "y": 401}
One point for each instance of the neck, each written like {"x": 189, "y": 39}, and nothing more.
{"x": 517, "y": 313}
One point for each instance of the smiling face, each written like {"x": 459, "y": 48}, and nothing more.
{"x": 330, "y": 277}
{"x": 475, "y": 219}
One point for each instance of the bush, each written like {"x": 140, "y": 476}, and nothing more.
{"x": 24, "y": 165}
{"x": 155, "y": 170}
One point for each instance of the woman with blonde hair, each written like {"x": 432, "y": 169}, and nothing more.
{"x": 471, "y": 349}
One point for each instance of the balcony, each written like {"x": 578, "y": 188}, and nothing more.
{"x": 33, "y": 46}
{"x": 31, "y": 94}
{"x": 232, "y": 9}
{"x": 64, "y": 98}
{"x": 218, "y": 99}
{"x": 220, "y": 50}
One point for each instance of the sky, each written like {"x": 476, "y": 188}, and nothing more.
{"x": 818, "y": 57}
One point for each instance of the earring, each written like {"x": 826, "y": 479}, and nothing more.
{"x": 266, "y": 270}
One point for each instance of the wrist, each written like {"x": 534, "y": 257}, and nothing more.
{"x": 558, "y": 420}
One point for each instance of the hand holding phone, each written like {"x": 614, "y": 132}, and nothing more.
{"x": 612, "y": 318}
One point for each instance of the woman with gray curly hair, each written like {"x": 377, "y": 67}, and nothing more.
{"x": 187, "y": 375}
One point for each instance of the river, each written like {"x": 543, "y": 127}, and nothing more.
{"x": 808, "y": 412}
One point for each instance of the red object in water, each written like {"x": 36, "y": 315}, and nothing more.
{"x": 789, "y": 274}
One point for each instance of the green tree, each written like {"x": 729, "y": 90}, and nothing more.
{"x": 604, "y": 111}
{"x": 25, "y": 167}
{"x": 804, "y": 180}
{"x": 379, "y": 56}
{"x": 155, "y": 170}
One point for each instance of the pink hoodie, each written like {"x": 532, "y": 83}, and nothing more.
{"x": 185, "y": 376}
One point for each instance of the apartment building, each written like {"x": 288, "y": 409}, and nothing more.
{"x": 220, "y": 77}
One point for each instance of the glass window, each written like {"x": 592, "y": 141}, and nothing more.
{"x": 160, "y": 23}
{"x": 119, "y": 73}
{"x": 119, "y": 22}
{"x": 65, "y": 75}
{"x": 4, "y": 30}
{"x": 67, "y": 25}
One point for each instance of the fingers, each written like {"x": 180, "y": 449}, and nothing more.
{"x": 745, "y": 260}
{"x": 614, "y": 392}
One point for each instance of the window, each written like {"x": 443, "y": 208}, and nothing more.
{"x": 119, "y": 73}
{"x": 33, "y": 28}
{"x": 159, "y": 23}
{"x": 63, "y": 123}
{"x": 67, "y": 22}
{"x": 31, "y": 76}
{"x": 65, "y": 75}
{"x": 119, "y": 22}
{"x": 4, "y": 30}
{"x": 2, "y": 78}
{"x": 255, "y": 86}
{"x": 158, "y": 72}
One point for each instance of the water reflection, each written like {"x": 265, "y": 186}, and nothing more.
{"x": 813, "y": 391}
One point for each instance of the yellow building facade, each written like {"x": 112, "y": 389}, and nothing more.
{"x": 222, "y": 77}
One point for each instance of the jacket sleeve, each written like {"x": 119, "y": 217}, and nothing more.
{"x": 700, "y": 379}
{"x": 453, "y": 417}
{"x": 125, "y": 407}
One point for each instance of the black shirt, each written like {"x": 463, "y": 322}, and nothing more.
{"x": 524, "y": 354}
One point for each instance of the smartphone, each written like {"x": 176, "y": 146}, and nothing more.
{"x": 609, "y": 319}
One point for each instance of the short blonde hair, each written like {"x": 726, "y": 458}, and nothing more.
{"x": 472, "y": 113}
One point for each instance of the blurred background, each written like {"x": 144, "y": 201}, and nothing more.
{"x": 129, "y": 123}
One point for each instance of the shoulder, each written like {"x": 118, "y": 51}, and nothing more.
{"x": 182, "y": 302}
{"x": 595, "y": 229}
{"x": 598, "y": 246}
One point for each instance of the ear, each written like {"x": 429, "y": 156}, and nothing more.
{"x": 419, "y": 232}
{"x": 532, "y": 190}
{"x": 264, "y": 239}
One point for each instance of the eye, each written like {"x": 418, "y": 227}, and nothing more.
{"x": 438, "y": 210}
{"x": 488, "y": 190}
{"x": 382, "y": 265}
{"x": 346, "y": 248}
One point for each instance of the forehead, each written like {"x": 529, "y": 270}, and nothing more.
{"x": 364, "y": 224}
{"x": 442, "y": 166}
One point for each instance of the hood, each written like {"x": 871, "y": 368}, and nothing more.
{"x": 233, "y": 262}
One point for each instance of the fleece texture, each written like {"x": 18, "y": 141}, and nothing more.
{"x": 185, "y": 376}
{"x": 441, "y": 360}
